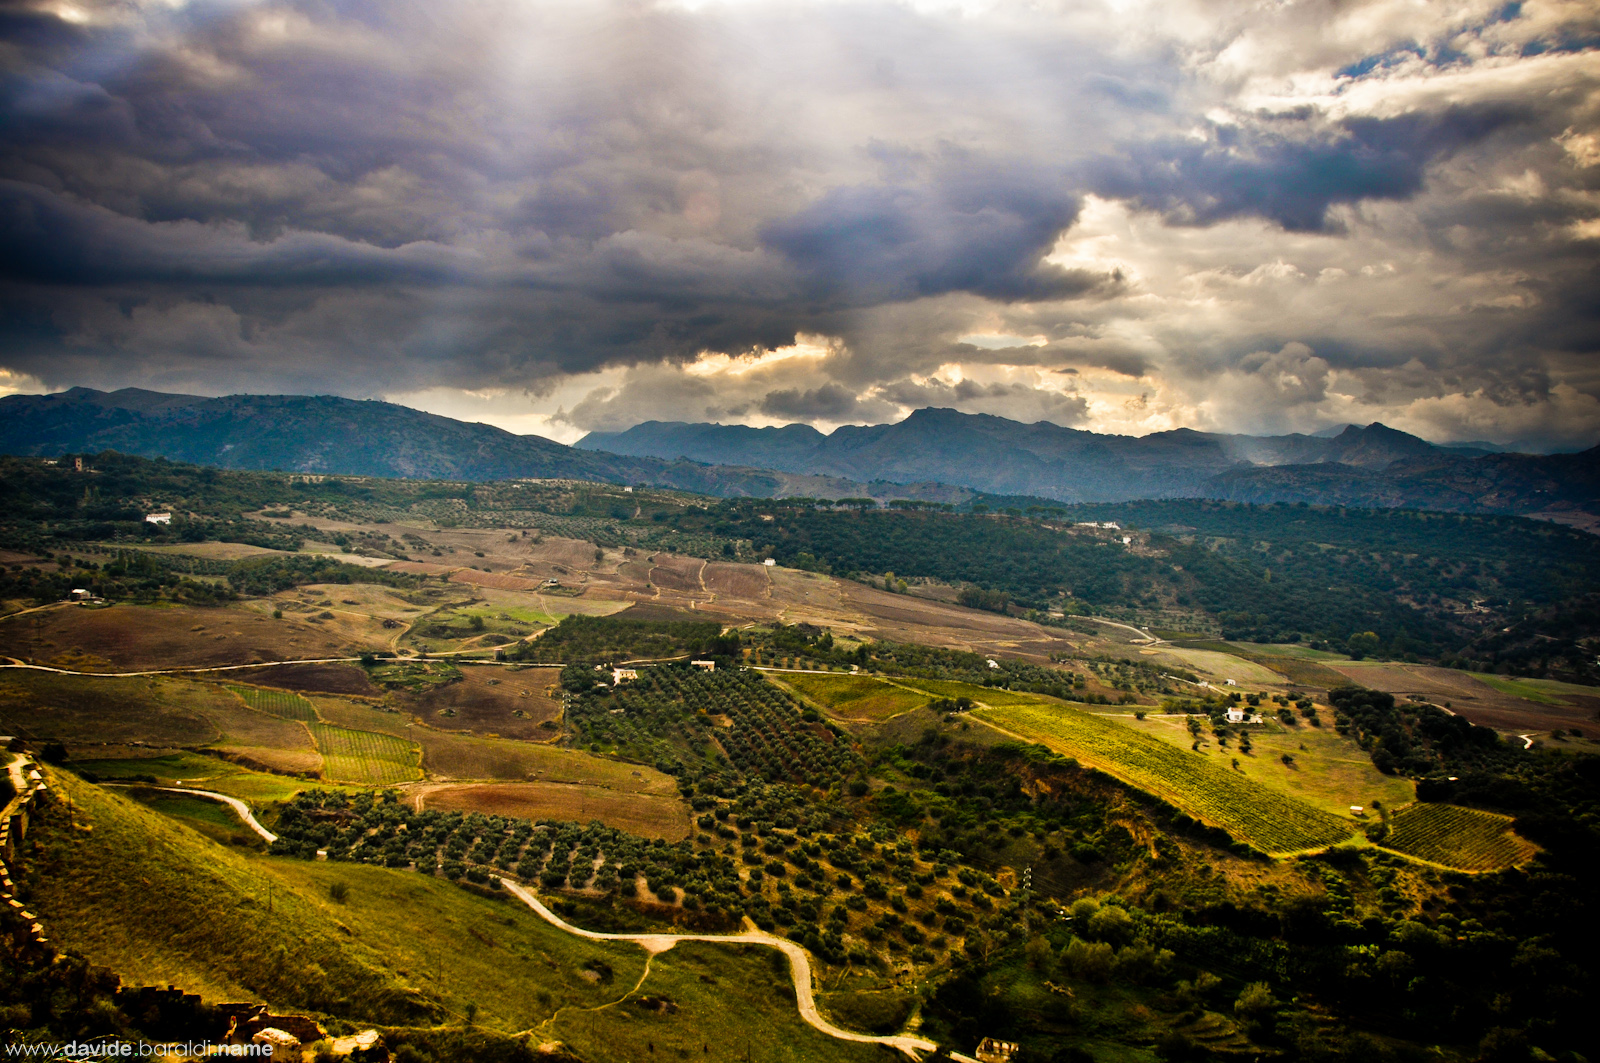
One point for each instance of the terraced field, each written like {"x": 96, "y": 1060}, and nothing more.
{"x": 1463, "y": 838}
{"x": 858, "y": 697}
{"x": 365, "y": 756}
{"x": 1272, "y": 821}
{"x": 280, "y": 703}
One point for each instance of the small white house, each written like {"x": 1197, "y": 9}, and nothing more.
{"x": 1238, "y": 715}
{"x": 994, "y": 664}
{"x": 710, "y": 666}
{"x": 1230, "y": 682}
{"x": 620, "y": 675}
{"x": 627, "y": 490}
{"x": 770, "y": 562}
{"x": 158, "y": 518}
{"x": 79, "y": 594}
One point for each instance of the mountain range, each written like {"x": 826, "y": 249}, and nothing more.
{"x": 1371, "y": 466}
{"x": 932, "y": 455}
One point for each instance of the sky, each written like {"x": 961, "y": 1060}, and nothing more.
{"x": 560, "y": 217}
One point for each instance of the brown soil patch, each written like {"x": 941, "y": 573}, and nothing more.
{"x": 87, "y": 711}
{"x": 487, "y": 701}
{"x": 1471, "y": 697}
{"x": 637, "y": 573}
{"x": 738, "y": 581}
{"x": 647, "y": 815}
{"x": 135, "y": 637}
{"x": 678, "y": 573}
{"x": 421, "y": 568}
{"x": 496, "y": 580}
{"x": 318, "y": 678}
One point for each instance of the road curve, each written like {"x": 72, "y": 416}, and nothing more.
{"x": 799, "y": 968}
{"x": 233, "y": 802}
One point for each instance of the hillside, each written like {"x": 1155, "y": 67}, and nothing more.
{"x": 1371, "y": 466}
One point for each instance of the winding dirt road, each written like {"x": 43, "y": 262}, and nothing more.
{"x": 232, "y": 802}
{"x": 799, "y": 969}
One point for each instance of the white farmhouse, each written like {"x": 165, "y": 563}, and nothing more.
{"x": 158, "y": 518}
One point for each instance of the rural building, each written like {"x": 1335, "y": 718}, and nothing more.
{"x": 79, "y": 594}
{"x": 619, "y": 675}
{"x": 710, "y": 666}
{"x": 77, "y": 464}
{"x": 993, "y": 663}
{"x": 993, "y": 1051}
{"x": 1237, "y": 715}
{"x": 769, "y": 562}
{"x": 158, "y": 518}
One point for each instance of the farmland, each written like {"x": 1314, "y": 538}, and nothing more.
{"x": 944, "y": 688}
{"x": 647, "y": 815}
{"x": 364, "y": 756}
{"x": 853, "y": 696}
{"x": 280, "y": 703}
{"x": 1463, "y": 838}
{"x": 1268, "y": 819}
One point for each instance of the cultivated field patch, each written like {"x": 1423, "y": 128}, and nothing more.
{"x": 283, "y": 704}
{"x": 672, "y": 572}
{"x": 856, "y": 697}
{"x": 510, "y": 703}
{"x": 737, "y": 581}
{"x": 141, "y": 637}
{"x": 647, "y": 815}
{"x": 467, "y": 757}
{"x": 364, "y": 757}
{"x": 1464, "y": 838}
{"x": 944, "y": 688}
{"x": 1268, "y": 819}
{"x": 85, "y": 711}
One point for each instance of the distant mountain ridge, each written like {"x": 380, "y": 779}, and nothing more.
{"x": 933, "y": 455}
{"x": 326, "y": 434}
{"x": 994, "y": 454}
{"x": 1372, "y": 466}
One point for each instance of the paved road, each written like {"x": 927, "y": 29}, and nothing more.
{"x": 799, "y": 969}
{"x": 233, "y": 802}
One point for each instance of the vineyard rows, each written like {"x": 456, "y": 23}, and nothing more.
{"x": 280, "y": 703}
{"x": 365, "y": 757}
{"x": 1463, "y": 838}
{"x": 1271, "y": 821}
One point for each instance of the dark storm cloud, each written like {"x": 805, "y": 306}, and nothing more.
{"x": 977, "y": 226}
{"x": 364, "y": 197}
{"x": 1293, "y": 175}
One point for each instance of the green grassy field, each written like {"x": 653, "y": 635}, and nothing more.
{"x": 944, "y": 688}
{"x": 855, "y": 696}
{"x": 731, "y": 1003}
{"x": 1542, "y": 691}
{"x": 1326, "y": 769}
{"x": 281, "y": 703}
{"x": 401, "y": 948}
{"x": 365, "y": 756}
{"x": 456, "y": 756}
{"x": 215, "y": 820}
{"x": 199, "y": 772}
{"x": 1462, "y": 838}
{"x": 1267, "y": 818}
{"x": 1223, "y": 664}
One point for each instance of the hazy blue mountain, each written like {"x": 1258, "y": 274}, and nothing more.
{"x": 995, "y": 454}
{"x": 935, "y": 455}
{"x": 323, "y": 434}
